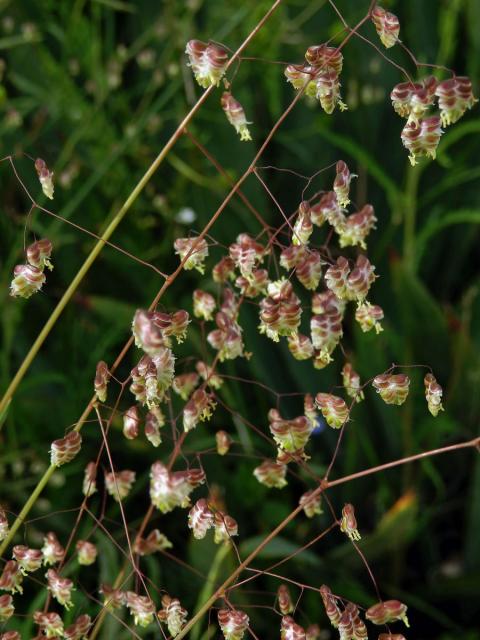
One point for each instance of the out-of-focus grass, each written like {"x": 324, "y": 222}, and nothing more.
{"x": 95, "y": 88}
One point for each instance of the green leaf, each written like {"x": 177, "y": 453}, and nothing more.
{"x": 434, "y": 226}
{"x": 279, "y": 547}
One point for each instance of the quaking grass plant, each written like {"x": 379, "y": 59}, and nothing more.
{"x": 307, "y": 279}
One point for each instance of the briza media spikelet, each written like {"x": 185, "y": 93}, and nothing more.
{"x": 154, "y": 421}
{"x": 455, "y": 96}
{"x": 200, "y": 519}
{"x": 351, "y": 382}
{"x": 141, "y": 608}
{"x": 45, "y": 177}
{"x": 433, "y": 394}
{"x": 334, "y": 409}
{"x": 203, "y": 304}
{"x": 387, "y": 611}
{"x": 65, "y": 449}
{"x": 368, "y": 317}
{"x": 311, "y": 503}
{"x": 223, "y": 442}
{"x": 173, "y": 614}
{"x": 290, "y": 630}
{"x": 89, "y": 486}
{"x": 60, "y": 588}
{"x": 38, "y": 254}
{"x": 28, "y": 559}
{"x": 341, "y": 185}
{"x": 290, "y": 435}
{"x": 319, "y": 77}
{"x": 154, "y": 542}
{"x": 131, "y": 423}
{"x": 171, "y": 489}
{"x": 79, "y": 629}
{"x": 194, "y": 251}
{"x": 11, "y": 577}
{"x": 233, "y": 623}
{"x": 52, "y": 550}
{"x": 7, "y": 608}
{"x": 348, "y": 523}
{"x": 198, "y": 409}
{"x": 331, "y": 607}
{"x": 50, "y": 623}
{"x": 272, "y": 474}
{"x": 101, "y": 380}
{"x": 284, "y": 600}
{"x": 393, "y": 388}
{"x": 235, "y": 115}
{"x": 225, "y": 527}
{"x": 27, "y": 280}
{"x": 387, "y": 26}
{"x": 303, "y": 227}
{"x": 86, "y": 552}
{"x": 208, "y": 62}
{"x": 422, "y": 138}
{"x": 119, "y": 483}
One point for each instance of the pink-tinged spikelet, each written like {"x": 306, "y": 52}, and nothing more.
{"x": 393, "y": 388}
{"x": 233, "y": 623}
{"x": 387, "y": 26}
{"x": 38, "y": 254}
{"x": 65, "y": 449}
{"x": 45, "y": 176}
{"x": 208, "y": 62}
{"x": 235, "y": 115}
{"x": 271, "y": 474}
{"x": 27, "y": 280}
{"x": 387, "y": 611}
{"x": 333, "y": 408}
{"x": 433, "y": 394}
{"x": 348, "y": 522}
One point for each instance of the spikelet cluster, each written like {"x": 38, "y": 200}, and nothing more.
{"x": 319, "y": 76}
{"x": 290, "y": 435}
{"x": 413, "y": 100}
{"x": 347, "y": 621}
{"x": 208, "y": 62}
{"x": 170, "y": 489}
{"x": 30, "y": 278}
{"x": 233, "y": 623}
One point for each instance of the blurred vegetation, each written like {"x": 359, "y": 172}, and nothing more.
{"x": 95, "y": 88}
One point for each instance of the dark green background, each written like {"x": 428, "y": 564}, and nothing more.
{"x": 98, "y": 114}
